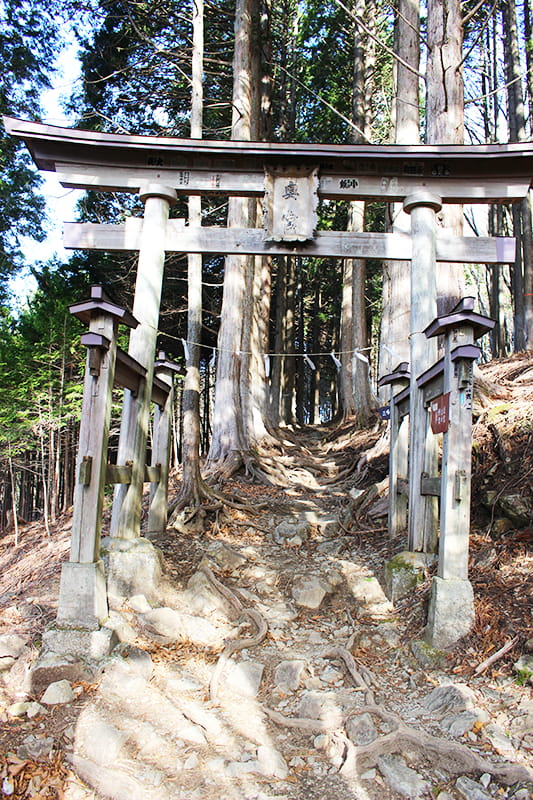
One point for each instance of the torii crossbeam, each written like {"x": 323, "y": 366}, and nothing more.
{"x": 422, "y": 177}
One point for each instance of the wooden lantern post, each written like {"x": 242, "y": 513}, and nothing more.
{"x": 82, "y": 600}
{"x": 451, "y": 608}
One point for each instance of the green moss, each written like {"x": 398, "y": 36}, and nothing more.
{"x": 522, "y": 676}
{"x": 428, "y": 656}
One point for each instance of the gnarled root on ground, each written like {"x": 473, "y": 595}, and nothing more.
{"x": 455, "y": 757}
{"x": 248, "y": 615}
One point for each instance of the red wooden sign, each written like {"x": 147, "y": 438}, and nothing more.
{"x": 440, "y": 413}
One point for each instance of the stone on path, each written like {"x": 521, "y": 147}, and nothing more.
{"x": 201, "y": 597}
{"x": 292, "y": 533}
{"x": 327, "y": 523}
{"x": 167, "y": 625}
{"x": 288, "y": 674}
{"x": 361, "y": 729}
{"x": 116, "y": 784}
{"x": 499, "y": 739}
{"x": 460, "y": 724}
{"x": 134, "y": 659}
{"x": 12, "y": 647}
{"x": 26, "y": 708}
{"x": 58, "y": 693}
{"x": 401, "y": 778}
{"x": 404, "y": 572}
{"x": 471, "y": 790}
{"x": 139, "y": 603}
{"x": 225, "y": 557}
{"x": 99, "y": 740}
{"x": 310, "y": 590}
{"x": 244, "y": 677}
{"x": 324, "y": 706}
{"x": 53, "y": 667}
{"x": 333, "y": 547}
{"x": 35, "y": 747}
{"x": 366, "y": 590}
{"x": 450, "y": 697}
{"x": 271, "y": 762}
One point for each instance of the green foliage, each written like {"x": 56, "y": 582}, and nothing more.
{"x": 28, "y": 36}
{"x": 523, "y": 676}
{"x": 40, "y": 364}
{"x": 136, "y": 66}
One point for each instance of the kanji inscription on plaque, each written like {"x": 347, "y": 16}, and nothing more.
{"x": 440, "y": 413}
{"x": 291, "y": 198}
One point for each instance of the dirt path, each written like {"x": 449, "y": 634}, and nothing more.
{"x": 272, "y": 667}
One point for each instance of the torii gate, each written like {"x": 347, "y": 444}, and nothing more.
{"x": 290, "y": 178}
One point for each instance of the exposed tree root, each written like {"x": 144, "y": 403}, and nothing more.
{"x": 457, "y": 758}
{"x": 198, "y": 495}
{"x": 234, "y": 645}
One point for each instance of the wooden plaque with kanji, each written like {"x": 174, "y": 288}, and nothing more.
{"x": 291, "y": 198}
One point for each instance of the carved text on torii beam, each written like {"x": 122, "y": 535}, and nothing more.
{"x": 290, "y": 204}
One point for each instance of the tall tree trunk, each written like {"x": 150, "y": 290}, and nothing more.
{"x": 314, "y": 387}
{"x": 193, "y": 488}
{"x": 253, "y": 378}
{"x": 496, "y": 288}
{"x": 523, "y": 267}
{"x": 276, "y": 366}
{"x": 346, "y": 340}
{"x": 300, "y": 365}
{"x": 228, "y": 441}
{"x": 354, "y": 389}
{"x": 288, "y": 358}
{"x": 445, "y": 120}
{"x": 394, "y": 344}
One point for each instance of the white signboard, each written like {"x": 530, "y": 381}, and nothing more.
{"x": 291, "y": 198}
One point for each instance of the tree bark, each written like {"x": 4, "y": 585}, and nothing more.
{"x": 276, "y": 367}
{"x": 523, "y": 267}
{"x": 445, "y": 121}
{"x": 228, "y": 441}
{"x": 354, "y": 388}
{"x": 193, "y": 488}
{"x": 288, "y": 358}
{"x": 394, "y": 344}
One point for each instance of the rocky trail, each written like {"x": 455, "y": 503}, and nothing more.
{"x": 272, "y": 665}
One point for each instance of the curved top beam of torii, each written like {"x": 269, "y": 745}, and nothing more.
{"x": 123, "y": 162}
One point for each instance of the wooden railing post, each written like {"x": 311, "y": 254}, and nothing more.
{"x": 423, "y": 450}
{"x": 162, "y": 424}
{"x": 399, "y": 452}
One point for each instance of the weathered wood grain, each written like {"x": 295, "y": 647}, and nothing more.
{"x": 250, "y": 241}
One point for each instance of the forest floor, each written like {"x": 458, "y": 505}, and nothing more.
{"x": 273, "y": 665}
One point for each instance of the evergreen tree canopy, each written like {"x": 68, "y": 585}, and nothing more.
{"x": 28, "y": 41}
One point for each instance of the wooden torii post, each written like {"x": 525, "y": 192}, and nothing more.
{"x": 422, "y": 177}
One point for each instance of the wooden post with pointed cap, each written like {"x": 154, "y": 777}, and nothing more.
{"x": 82, "y": 597}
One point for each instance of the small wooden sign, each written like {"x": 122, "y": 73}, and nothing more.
{"x": 384, "y": 412}
{"x": 440, "y": 413}
{"x": 290, "y": 205}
